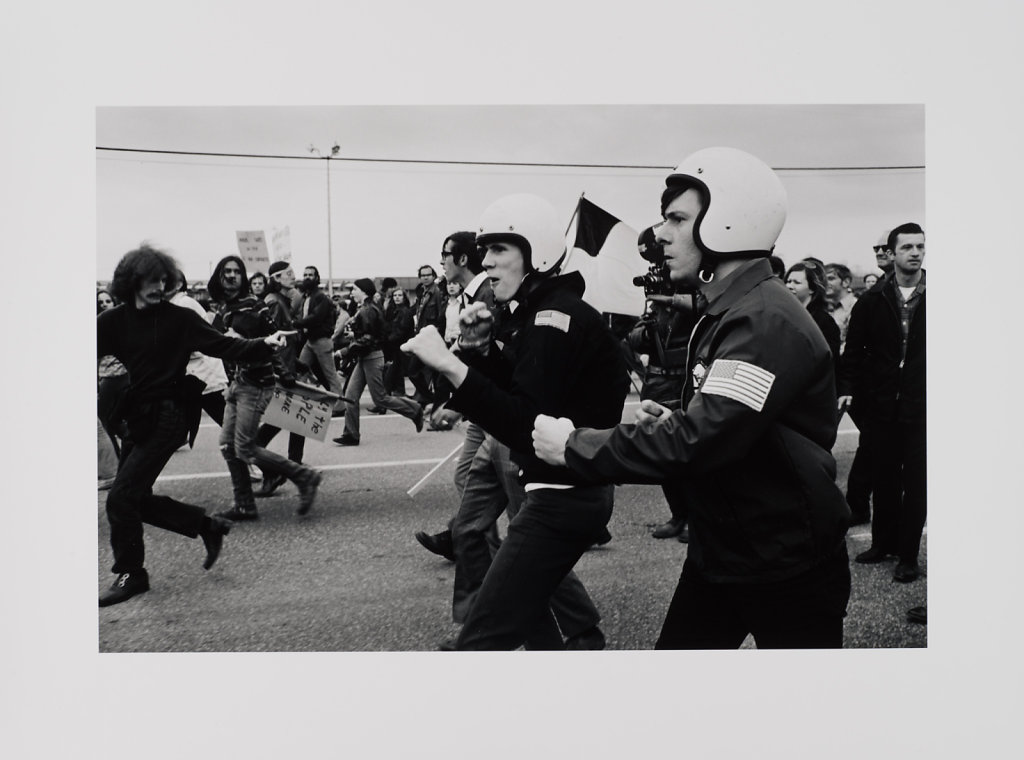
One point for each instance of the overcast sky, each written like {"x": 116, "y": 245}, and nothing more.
{"x": 388, "y": 218}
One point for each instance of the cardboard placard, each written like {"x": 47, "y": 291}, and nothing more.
{"x": 303, "y": 409}
{"x": 252, "y": 249}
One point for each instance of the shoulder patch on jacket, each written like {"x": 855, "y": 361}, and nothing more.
{"x": 552, "y": 318}
{"x": 740, "y": 381}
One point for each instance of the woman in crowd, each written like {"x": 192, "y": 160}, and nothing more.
{"x": 806, "y": 280}
{"x": 397, "y": 330}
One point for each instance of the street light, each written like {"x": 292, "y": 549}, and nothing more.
{"x": 330, "y": 258}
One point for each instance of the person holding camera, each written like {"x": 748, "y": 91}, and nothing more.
{"x": 663, "y": 335}
{"x": 367, "y": 327}
{"x": 754, "y": 432}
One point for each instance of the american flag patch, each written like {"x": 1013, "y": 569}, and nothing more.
{"x": 740, "y": 381}
{"x": 552, "y": 318}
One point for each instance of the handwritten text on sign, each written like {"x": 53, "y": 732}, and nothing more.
{"x": 252, "y": 249}
{"x": 292, "y": 411}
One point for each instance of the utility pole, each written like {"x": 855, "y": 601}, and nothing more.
{"x": 330, "y": 256}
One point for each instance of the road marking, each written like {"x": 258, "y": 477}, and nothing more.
{"x": 321, "y": 467}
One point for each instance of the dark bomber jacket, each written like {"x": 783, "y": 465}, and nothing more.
{"x": 752, "y": 441}
{"x": 560, "y": 359}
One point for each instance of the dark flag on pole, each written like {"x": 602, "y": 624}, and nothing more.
{"x": 611, "y": 261}
{"x": 593, "y": 227}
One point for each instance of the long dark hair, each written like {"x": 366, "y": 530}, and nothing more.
{"x": 143, "y": 264}
{"x": 214, "y": 286}
{"x": 98, "y": 292}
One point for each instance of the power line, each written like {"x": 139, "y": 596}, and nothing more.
{"x": 479, "y": 163}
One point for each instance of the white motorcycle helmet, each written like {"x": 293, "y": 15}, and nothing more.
{"x": 744, "y": 202}
{"x": 529, "y": 222}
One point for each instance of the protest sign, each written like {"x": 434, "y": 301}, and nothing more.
{"x": 302, "y": 409}
{"x": 252, "y": 248}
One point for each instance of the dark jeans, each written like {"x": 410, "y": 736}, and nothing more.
{"x": 545, "y": 541}
{"x": 422, "y": 378}
{"x": 492, "y": 486}
{"x": 131, "y": 501}
{"x": 900, "y": 458}
{"x": 296, "y": 442}
{"x": 859, "y": 482}
{"x": 677, "y": 496}
{"x": 238, "y": 441}
{"x": 394, "y": 370}
{"x": 803, "y": 612}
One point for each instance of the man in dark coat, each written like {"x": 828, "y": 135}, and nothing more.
{"x": 882, "y": 381}
{"x": 154, "y": 339}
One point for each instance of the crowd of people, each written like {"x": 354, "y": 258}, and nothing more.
{"x": 746, "y": 369}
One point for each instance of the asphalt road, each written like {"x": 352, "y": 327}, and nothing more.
{"x": 350, "y": 577}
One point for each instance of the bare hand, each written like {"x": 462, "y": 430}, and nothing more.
{"x": 844, "y": 403}
{"x": 280, "y": 338}
{"x": 549, "y": 437}
{"x": 429, "y": 347}
{"x": 650, "y": 414}
{"x": 475, "y": 325}
{"x": 676, "y": 301}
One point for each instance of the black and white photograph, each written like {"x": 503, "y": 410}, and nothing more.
{"x": 414, "y": 482}
{"x": 594, "y": 346}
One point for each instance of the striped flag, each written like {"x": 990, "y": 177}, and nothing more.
{"x": 740, "y": 381}
{"x": 604, "y": 251}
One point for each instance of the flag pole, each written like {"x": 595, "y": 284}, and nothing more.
{"x": 422, "y": 481}
{"x": 568, "y": 250}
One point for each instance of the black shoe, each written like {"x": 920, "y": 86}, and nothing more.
{"x": 684, "y": 536}
{"x": 125, "y": 587}
{"x": 906, "y": 572}
{"x": 346, "y": 440}
{"x": 270, "y": 484}
{"x": 439, "y": 543}
{"x": 918, "y": 615}
{"x": 603, "y": 538}
{"x": 872, "y": 556}
{"x": 307, "y": 490}
{"x": 591, "y": 639}
{"x": 213, "y": 538}
{"x": 448, "y": 645}
{"x": 377, "y": 410}
{"x": 669, "y": 529}
{"x": 418, "y": 420}
{"x": 238, "y": 514}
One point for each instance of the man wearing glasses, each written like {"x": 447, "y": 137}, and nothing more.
{"x": 430, "y": 305}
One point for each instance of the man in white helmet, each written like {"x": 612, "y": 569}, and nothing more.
{"x": 558, "y": 358}
{"x": 767, "y": 553}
